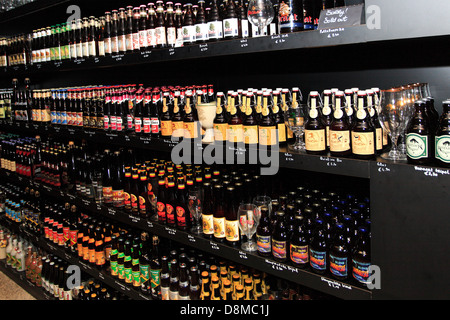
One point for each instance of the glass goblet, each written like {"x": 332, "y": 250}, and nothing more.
{"x": 248, "y": 223}
{"x": 260, "y": 14}
{"x": 294, "y": 117}
{"x": 195, "y": 209}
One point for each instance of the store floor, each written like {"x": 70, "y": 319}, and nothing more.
{"x": 9, "y": 290}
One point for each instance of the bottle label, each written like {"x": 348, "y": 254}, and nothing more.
{"x": 107, "y": 194}
{"x": 166, "y": 128}
{"x": 318, "y": 259}
{"x": 215, "y": 30}
{"x": 181, "y": 216}
{"x": 219, "y": 227}
{"x": 143, "y": 39}
{"x": 267, "y": 136}
{"x": 264, "y": 243}
{"x": 144, "y": 271}
{"x": 190, "y": 130}
{"x": 142, "y": 205}
{"x": 235, "y": 133}
{"x": 220, "y": 131}
{"x": 151, "y": 37}
{"x": 161, "y": 208}
{"x": 73, "y": 237}
{"x": 230, "y": 27}
{"x": 160, "y": 33}
{"x": 299, "y": 254}
{"x": 338, "y": 266}
{"x": 443, "y": 148}
{"x": 251, "y": 134}
{"x": 165, "y": 293}
{"x": 136, "y": 41}
{"x": 155, "y": 275}
{"x": 170, "y": 214}
{"x": 379, "y": 138}
{"x": 339, "y": 141}
{"x": 363, "y": 143}
{"x": 188, "y": 33}
{"x": 208, "y": 223}
{"x": 416, "y": 146}
{"x": 155, "y": 125}
{"x": 281, "y": 132}
{"x": 360, "y": 271}
{"x": 279, "y": 249}
{"x": 201, "y": 31}
{"x": 118, "y": 198}
{"x": 100, "y": 258}
{"x": 315, "y": 140}
{"x": 177, "y": 129}
{"x": 232, "y": 230}
{"x": 171, "y": 35}
{"x": 245, "y": 28}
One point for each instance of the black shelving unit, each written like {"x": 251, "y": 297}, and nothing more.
{"x": 409, "y": 225}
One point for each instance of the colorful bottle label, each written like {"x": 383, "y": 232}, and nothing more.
{"x": 416, "y": 146}
{"x": 339, "y": 141}
{"x": 219, "y": 227}
{"x": 251, "y": 134}
{"x": 299, "y": 254}
{"x": 318, "y": 259}
{"x": 267, "y": 136}
{"x": 208, "y": 223}
{"x": 360, "y": 271}
{"x": 315, "y": 140}
{"x": 181, "y": 216}
{"x": 363, "y": 143}
{"x": 264, "y": 243}
{"x": 232, "y": 230}
{"x": 170, "y": 214}
{"x": 338, "y": 266}
{"x": 166, "y": 128}
{"x": 443, "y": 148}
{"x": 230, "y": 27}
{"x": 279, "y": 249}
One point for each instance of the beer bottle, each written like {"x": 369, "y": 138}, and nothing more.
{"x": 114, "y": 32}
{"x": 244, "y": 24}
{"x": 171, "y": 29}
{"x": 177, "y": 118}
{"x": 121, "y": 258}
{"x": 117, "y": 184}
{"x": 219, "y": 214}
{"x": 299, "y": 245}
{"x": 136, "y": 24}
{"x": 340, "y": 129}
{"x": 134, "y": 192}
{"x": 190, "y": 124}
{"x": 231, "y": 28}
{"x": 166, "y": 117}
{"x": 181, "y": 209}
{"x": 183, "y": 291}
{"x": 363, "y": 132}
{"x": 235, "y": 131}
{"x": 309, "y": 18}
{"x": 144, "y": 199}
{"x": 206, "y": 286}
{"x": 442, "y": 139}
{"x": 188, "y": 27}
{"x": 90, "y": 252}
{"x": 174, "y": 280}
{"x": 156, "y": 270}
{"x": 201, "y": 26}
{"x": 232, "y": 235}
{"x": 278, "y": 117}
{"x": 165, "y": 278}
{"x": 194, "y": 287}
{"x": 280, "y": 238}
{"x": 371, "y": 106}
{"x": 143, "y": 33}
{"x": 318, "y": 250}
{"x": 130, "y": 248}
{"x": 108, "y": 34}
{"x": 430, "y": 111}
{"x": 170, "y": 202}
{"x": 339, "y": 254}
{"x": 250, "y": 124}
{"x": 215, "y": 27}
{"x": 100, "y": 257}
{"x": 107, "y": 178}
{"x": 361, "y": 257}
{"x": 161, "y": 199}
{"x": 144, "y": 263}
{"x": 349, "y": 107}
{"x": 264, "y": 234}
{"x": 327, "y": 109}
{"x": 207, "y": 211}
{"x": 154, "y": 114}
{"x": 151, "y": 27}
{"x": 267, "y": 128}
{"x": 220, "y": 120}
{"x": 179, "y": 22}
{"x": 146, "y": 113}
{"x": 418, "y": 136}
{"x": 290, "y": 16}
{"x": 160, "y": 30}
{"x": 315, "y": 130}
{"x": 138, "y": 112}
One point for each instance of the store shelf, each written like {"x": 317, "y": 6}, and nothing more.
{"x": 100, "y": 275}
{"x": 286, "y": 271}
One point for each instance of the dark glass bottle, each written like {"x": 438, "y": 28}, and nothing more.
{"x": 231, "y": 28}
{"x": 188, "y": 26}
{"x": 290, "y": 16}
{"x": 363, "y": 132}
{"x": 361, "y": 257}
{"x": 318, "y": 252}
{"x": 232, "y": 235}
{"x": 181, "y": 208}
{"x": 264, "y": 234}
{"x": 442, "y": 138}
{"x": 299, "y": 244}
{"x": 267, "y": 133}
{"x": 215, "y": 26}
{"x": 340, "y": 129}
{"x": 219, "y": 214}
{"x": 155, "y": 270}
{"x": 339, "y": 254}
{"x": 418, "y": 136}
{"x": 315, "y": 130}
{"x": 280, "y": 241}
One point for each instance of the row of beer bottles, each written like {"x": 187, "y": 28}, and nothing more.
{"x": 428, "y": 134}
{"x": 5, "y": 103}
{"x": 344, "y": 123}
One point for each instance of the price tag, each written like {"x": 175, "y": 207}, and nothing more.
{"x": 118, "y": 57}
{"x": 382, "y": 167}
{"x": 244, "y": 43}
{"x": 58, "y": 64}
{"x": 335, "y": 284}
{"x": 191, "y": 238}
{"x": 331, "y": 162}
{"x": 146, "y": 54}
{"x": 134, "y": 219}
{"x": 171, "y": 51}
{"x": 101, "y": 275}
{"x": 96, "y": 60}
{"x": 243, "y": 255}
{"x": 203, "y": 47}
{"x": 150, "y": 224}
{"x": 289, "y": 157}
{"x": 111, "y": 211}
{"x": 171, "y": 231}
{"x": 214, "y": 245}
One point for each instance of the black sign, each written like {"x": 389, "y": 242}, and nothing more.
{"x": 341, "y": 17}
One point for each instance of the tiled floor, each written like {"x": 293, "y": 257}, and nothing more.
{"x": 9, "y": 290}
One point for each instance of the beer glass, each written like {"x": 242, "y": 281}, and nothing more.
{"x": 294, "y": 119}
{"x": 195, "y": 208}
{"x": 248, "y": 222}
{"x": 260, "y": 14}
{"x": 260, "y": 201}
{"x": 394, "y": 114}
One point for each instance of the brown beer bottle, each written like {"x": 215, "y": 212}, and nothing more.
{"x": 315, "y": 130}
{"x": 418, "y": 136}
{"x": 235, "y": 131}
{"x": 340, "y": 129}
{"x": 371, "y": 106}
{"x": 219, "y": 214}
{"x": 220, "y": 121}
{"x": 232, "y": 235}
{"x": 363, "y": 132}
{"x": 442, "y": 138}
{"x": 177, "y": 118}
{"x": 278, "y": 117}
{"x": 250, "y": 123}
{"x": 190, "y": 124}
{"x": 267, "y": 129}
{"x": 327, "y": 113}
